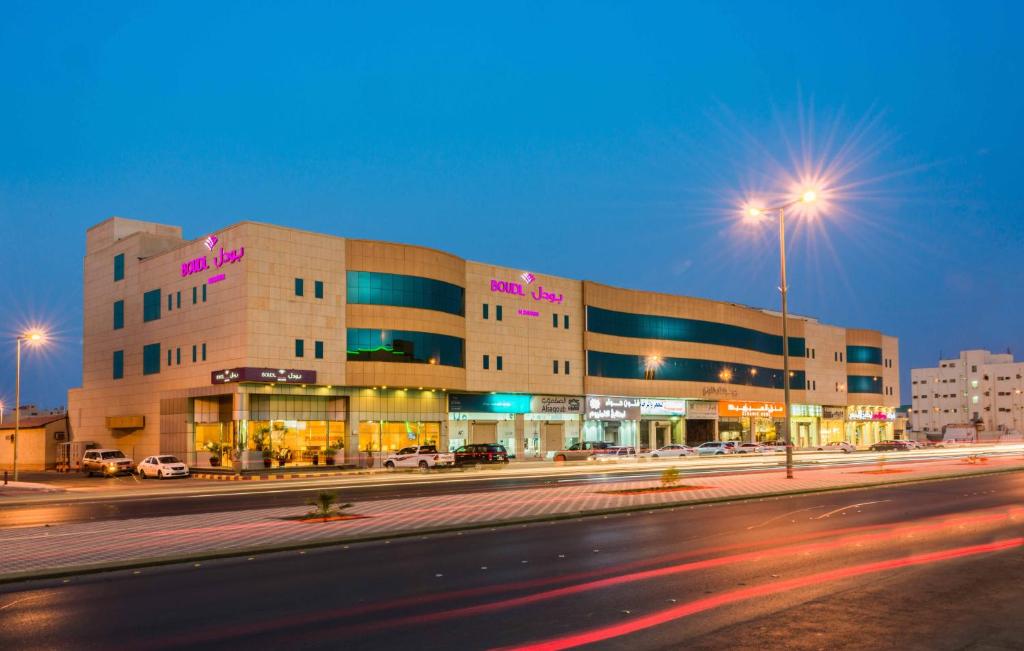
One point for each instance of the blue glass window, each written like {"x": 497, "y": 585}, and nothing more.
{"x": 369, "y": 345}
{"x": 118, "y": 315}
{"x": 371, "y": 288}
{"x": 487, "y": 362}
{"x": 194, "y": 354}
{"x": 644, "y": 326}
{"x": 194, "y": 295}
{"x": 634, "y": 367}
{"x": 118, "y": 364}
{"x": 318, "y": 349}
{"x": 863, "y": 355}
{"x": 300, "y": 347}
{"x": 300, "y": 287}
{"x": 204, "y": 350}
{"x": 118, "y": 267}
{"x": 318, "y": 289}
{"x": 150, "y": 359}
{"x": 151, "y": 305}
{"x": 863, "y": 384}
{"x": 204, "y": 293}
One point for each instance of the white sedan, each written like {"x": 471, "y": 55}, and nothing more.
{"x": 837, "y": 446}
{"x": 673, "y": 450}
{"x": 162, "y": 466}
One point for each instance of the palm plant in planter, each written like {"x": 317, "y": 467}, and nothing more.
{"x": 267, "y": 457}
{"x": 329, "y": 453}
{"x": 214, "y": 448}
{"x": 282, "y": 456}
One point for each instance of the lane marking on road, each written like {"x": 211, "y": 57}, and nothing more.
{"x": 17, "y": 601}
{"x": 852, "y": 506}
{"x": 779, "y": 517}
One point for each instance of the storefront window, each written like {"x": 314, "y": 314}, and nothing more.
{"x": 298, "y": 441}
{"x": 388, "y": 436}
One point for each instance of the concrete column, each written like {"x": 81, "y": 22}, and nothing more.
{"x": 520, "y": 429}
{"x": 652, "y": 435}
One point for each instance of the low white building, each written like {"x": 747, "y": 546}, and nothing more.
{"x": 978, "y": 387}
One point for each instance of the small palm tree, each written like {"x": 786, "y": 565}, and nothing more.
{"x": 324, "y": 505}
{"x": 669, "y": 477}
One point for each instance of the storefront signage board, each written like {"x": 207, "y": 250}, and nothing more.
{"x": 870, "y": 413}
{"x": 556, "y": 405}
{"x": 833, "y": 413}
{"x": 490, "y": 403}
{"x": 701, "y": 410}
{"x": 220, "y": 258}
{"x": 252, "y": 374}
{"x": 612, "y": 408}
{"x": 742, "y": 408}
{"x": 662, "y": 407}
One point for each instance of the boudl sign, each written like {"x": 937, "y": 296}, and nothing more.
{"x": 220, "y": 258}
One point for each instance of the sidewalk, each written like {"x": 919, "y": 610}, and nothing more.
{"x": 60, "y": 549}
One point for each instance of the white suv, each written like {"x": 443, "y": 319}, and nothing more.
{"x": 106, "y": 462}
{"x": 423, "y": 457}
{"x": 715, "y": 447}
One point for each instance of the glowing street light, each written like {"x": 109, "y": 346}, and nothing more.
{"x": 651, "y": 365}
{"x": 808, "y": 196}
{"x": 33, "y": 338}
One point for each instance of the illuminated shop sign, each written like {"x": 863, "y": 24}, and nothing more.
{"x": 701, "y": 410}
{"x": 220, "y": 257}
{"x": 490, "y": 403}
{"x": 805, "y": 411}
{"x": 522, "y": 289}
{"x": 870, "y": 413}
{"x": 529, "y": 313}
{"x": 251, "y": 374}
{"x": 833, "y": 413}
{"x": 612, "y": 408}
{"x": 556, "y": 405}
{"x": 662, "y": 407}
{"x": 751, "y": 409}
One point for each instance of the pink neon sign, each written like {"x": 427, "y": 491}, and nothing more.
{"x": 220, "y": 258}
{"x": 516, "y": 289}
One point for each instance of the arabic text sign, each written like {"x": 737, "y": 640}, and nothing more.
{"x": 556, "y": 405}
{"x": 220, "y": 258}
{"x": 751, "y": 409}
{"x": 701, "y": 410}
{"x": 612, "y": 408}
{"x": 662, "y": 407}
{"x": 870, "y": 413}
{"x": 253, "y": 374}
{"x": 517, "y": 289}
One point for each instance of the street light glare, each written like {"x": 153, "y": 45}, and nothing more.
{"x": 810, "y": 196}
{"x": 34, "y": 336}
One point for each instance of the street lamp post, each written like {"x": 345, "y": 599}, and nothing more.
{"x": 808, "y": 197}
{"x": 32, "y": 338}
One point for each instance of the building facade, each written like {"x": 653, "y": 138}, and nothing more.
{"x": 264, "y": 337}
{"x": 978, "y": 388}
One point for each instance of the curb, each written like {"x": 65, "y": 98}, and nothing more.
{"x": 99, "y": 568}
{"x": 263, "y": 477}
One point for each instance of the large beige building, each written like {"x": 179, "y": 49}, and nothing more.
{"x": 260, "y": 336}
{"x": 977, "y": 387}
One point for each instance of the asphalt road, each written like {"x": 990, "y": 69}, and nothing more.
{"x": 936, "y": 565}
{"x": 185, "y": 497}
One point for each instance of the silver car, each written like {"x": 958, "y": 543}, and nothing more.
{"x": 673, "y": 450}
{"x": 715, "y": 447}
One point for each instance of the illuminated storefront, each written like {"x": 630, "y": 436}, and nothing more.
{"x": 740, "y": 420}
{"x": 662, "y": 421}
{"x": 833, "y": 424}
{"x": 867, "y": 424}
{"x": 528, "y": 426}
{"x": 612, "y": 419}
{"x": 803, "y": 423}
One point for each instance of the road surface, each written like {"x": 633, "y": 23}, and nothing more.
{"x": 936, "y": 565}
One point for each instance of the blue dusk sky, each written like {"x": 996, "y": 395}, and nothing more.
{"x": 614, "y": 142}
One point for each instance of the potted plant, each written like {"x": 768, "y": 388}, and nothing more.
{"x": 282, "y": 456}
{"x": 267, "y": 457}
{"x": 215, "y": 449}
{"x": 369, "y": 456}
{"x": 329, "y": 453}
{"x": 237, "y": 456}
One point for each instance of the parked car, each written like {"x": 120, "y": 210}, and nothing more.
{"x": 579, "y": 451}
{"x": 778, "y": 445}
{"x": 479, "y": 453}
{"x": 107, "y": 463}
{"x": 751, "y": 448}
{"x": 673, "y": 450}
{"x": 715, "y": 447}
{"x": 912, "y": 445}
{"x": 837, "y": 446}
{"x": 890, "y": 445}
{"x": 423, "y": 457}
{"x": 621, "y": 453}
{"x": 161, "y": 466}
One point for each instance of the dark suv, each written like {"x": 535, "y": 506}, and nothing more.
{"x": 474, "y": 453}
